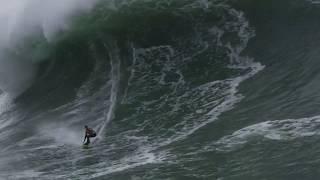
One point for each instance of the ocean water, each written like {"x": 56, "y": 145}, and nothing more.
{"x": 176, "y": 89}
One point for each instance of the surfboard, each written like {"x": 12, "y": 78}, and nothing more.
{"x": 86, "y": 146}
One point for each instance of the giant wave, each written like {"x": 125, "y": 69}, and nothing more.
{"x": 160, "y": 81}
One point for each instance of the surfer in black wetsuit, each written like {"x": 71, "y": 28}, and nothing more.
{"x": 89, "y": 134}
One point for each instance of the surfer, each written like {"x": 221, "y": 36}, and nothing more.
{"x": 89, "y": 134}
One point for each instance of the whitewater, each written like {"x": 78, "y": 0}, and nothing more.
{"x": 188, "y": 89}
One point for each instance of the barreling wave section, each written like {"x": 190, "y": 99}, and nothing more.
{"x": 144, "y": 74}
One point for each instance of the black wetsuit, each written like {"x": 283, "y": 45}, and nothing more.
{"x": 89, "y": 134}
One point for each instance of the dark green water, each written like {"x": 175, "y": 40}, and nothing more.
{"x": 188, "y": 89}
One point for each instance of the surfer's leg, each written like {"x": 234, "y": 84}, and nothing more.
{"x": 87, "y": 140}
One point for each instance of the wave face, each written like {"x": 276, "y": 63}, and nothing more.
{"x": 188, "y": 89}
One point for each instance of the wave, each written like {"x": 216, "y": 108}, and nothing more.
{"x": 145, "y": 74}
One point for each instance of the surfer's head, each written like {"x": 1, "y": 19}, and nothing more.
{"x": 86, "y": 126}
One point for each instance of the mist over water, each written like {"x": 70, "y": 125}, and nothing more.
{"x": 19, "y": 16}
{"x": 21, "y": 20}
